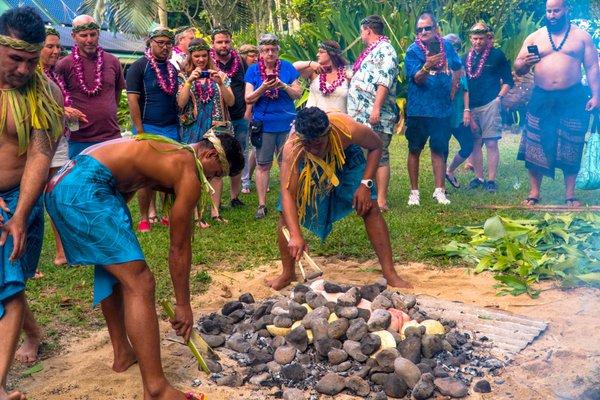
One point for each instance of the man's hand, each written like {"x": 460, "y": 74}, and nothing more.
{"x": 5, "y": 208}
{"x": 466, "y": 118}
{"x": 296, "y": 246}
{"x": 16, "y": 227}
{"x": 531, "y": 59}
{"x": 183, "y": 321}
{"x": 592, "y": 104}
{"x": 74, "y": 114}
{"x": 272, "y": 84}
{"x": 375, "y": 117}
{"x": 474, "y": 126}
{"x": 431, "y": 61}
{"x": 361, "y": 201}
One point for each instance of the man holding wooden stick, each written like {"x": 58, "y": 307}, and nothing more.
{"x": 324, "y": 176}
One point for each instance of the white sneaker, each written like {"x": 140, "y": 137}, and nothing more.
{"x": 440, "y": 196}
{"x": 414, "y": 199}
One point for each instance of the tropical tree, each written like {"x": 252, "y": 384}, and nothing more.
{"x": 130, "y": 16}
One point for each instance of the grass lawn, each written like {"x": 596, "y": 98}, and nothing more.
{"x": 61, "y": 300}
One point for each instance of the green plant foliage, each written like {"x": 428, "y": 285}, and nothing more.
{"x": 123, "y": 115}
{"x": 520, "y": 253}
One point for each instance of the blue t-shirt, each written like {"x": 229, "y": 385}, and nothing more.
{"x": 431, "y": 99}
{"x": 157, "y": 107}
{"x": 277, "y": 114}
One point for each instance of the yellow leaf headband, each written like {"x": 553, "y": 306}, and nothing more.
{"x": 19, "y": 44}
{"x": 216, "y": 142}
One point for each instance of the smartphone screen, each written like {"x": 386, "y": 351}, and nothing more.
{"x": 533, "y": 49}
{"x": 271, "y": 77}
{"x": 433, "y": 48}
{"x": 204, "y": 74}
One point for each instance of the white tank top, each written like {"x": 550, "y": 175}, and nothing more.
{"x": 335, "y": 101}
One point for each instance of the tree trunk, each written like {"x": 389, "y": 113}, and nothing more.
{"x": 162, "y": 13}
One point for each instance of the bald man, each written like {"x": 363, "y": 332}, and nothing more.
{"x": 97, "y": 86}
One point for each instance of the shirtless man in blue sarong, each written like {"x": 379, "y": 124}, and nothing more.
{"x": 86, "y": 200}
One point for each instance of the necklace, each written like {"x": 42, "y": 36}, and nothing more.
{"x": 233, "y": 69}
{"x": 327, "y": 88}
{"x": 205, "y": 92}
{"x": 482, "y": 60}
{"x": 442, "y": 63}
{"x": 562, "y": 43}
{"x": 168, "y": 88}
{"x": 366, "y": 52}
{"x": 272, "y": 93}
{"x": 78, "y": 65}
{"x": 54, "y": 77}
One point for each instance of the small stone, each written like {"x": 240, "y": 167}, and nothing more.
{"x": 213, "y": 366}
{"x": 395, "y": 386}
{"x": 381, "y": 303}
{"x": 332, "y": 288}
{"x": 431, "y": 345}
{"x": 277, "y": 342}
{"x": 237, "y": 316}
{"x": 424, "y": 388}
{"x": 425, "y": 369}
{"x": 323, "y": 346}
{"x": 386, "y": 357}
{"x": 274, "y": 367}
{"x": 357, "y": 330}
{"x": 358, "y": 386}
{"x": 482, "y": 386}
{"x": 263, "y": 333}
{"x": 370, "y": 292}
{"x": 338, "y": 328}
{"x": 319, "y": 329}
{"x": 440, "y": 372}
{"x": 353, "y": 349}
{"x": 233, "y": 380}
{"x": 257, "y": 380}
{"x": 410, "y": 348}
{"x": 331, "y": 305}
{"x": 317, "y": 313}
{"x": 451, "y": 387}
{"x": 297, "y": 312}
{"x": 293, "y": 372}
{"x": 382, "y": 283}
{"x": 346, "y": 312}
{"x": 343, "y": 367}
{"x": 213, "y": 341}
{"x": 408, "y": 371}
{"x": 259, "y": 368}
{"x": 379, "y": 396}
{"x": 209, "y": 327}
{"x": 285, "y": 355}
{"x": 379, "y": 378}
{"x": 398, "y": 302}
{"x": 259, "y": 312}
{"x": 370, "y": 344}
{"x": 337, "y": 356}
{"x": 298, "y": 338}
{"x": 304, "y": 359}
{"x": 293, "y": 394}
{"x": 237, "y": 342}
{"x": 414, "y": 331}
{"x": 315, "y": 300}
{"x": 246, "y": 298}
{"x": 350, "y": 299}
{"x": 363, "y": 372}
{"x": 282, "y": 321}
{"x": 410, "y": 301}
{"x": 380, "y": 320}
{"x": 231, "y": 306}
{"x": 331, "y": 384}
{"x": 364, "y": 314}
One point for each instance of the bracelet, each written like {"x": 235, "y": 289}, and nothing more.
{"x": 426, "y": 70}
{"x": 187, "y": 84}
{"x": 309, "y": 63}
{"x": 467, "y": 109}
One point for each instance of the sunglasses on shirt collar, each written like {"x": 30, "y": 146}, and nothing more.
{"x": 428, "y": 28}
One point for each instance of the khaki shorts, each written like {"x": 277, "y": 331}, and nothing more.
{"x": 385, "y": 151}
{"x": 488, "y": 119}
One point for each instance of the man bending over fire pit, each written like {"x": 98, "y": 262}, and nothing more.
{"x": 86, "y": 201}
{"x": 324, "y": 176}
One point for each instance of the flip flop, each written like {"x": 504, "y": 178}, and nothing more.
{"x": 573, "y": 202}
{"x": 220, "y": 219}
{"x": 202, "y": 224}
{"x": 530, "y": 201}
{"x": 453, "y": 181}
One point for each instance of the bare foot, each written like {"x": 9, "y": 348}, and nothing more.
{"x": 170, "y": 393}
{"x": 123, "y": 362}
{"x": 202, "y": 224}
{"x": 395, "y": 281}
{"x": 28, "y": 352}
{"x": 38, "y": 275}
{"x": 59, "y": 260}
{"x": 12, "y": 396}
{"x": 281, "y": 281}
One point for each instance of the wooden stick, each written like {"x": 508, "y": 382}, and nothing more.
{"x": 286, "y": 234}
{"x": 539, "y": 208}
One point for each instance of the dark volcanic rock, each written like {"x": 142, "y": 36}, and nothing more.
{"x": 315, "y": 300}
{"x": 395, "y": 386}
{"x": 293, "y": 372}
{"x": 357, "y": 330}
{"x": 237, "y": 342}
{"x": 237, "y": 315}
{"x": 246, "y": 298}
{"x": 298, "y": 338}
{"x": 353, "y": 349}
{"x": 386, "y": 357}
{"x": 338, "y": 328}
{"x": 440, "y": 372}
{"x": 231, "y": 306}
{"x": 370, "y": 344}
{"x": 343, "y": 367}
{"x": 431, "y": 345}
{"x": 381, "y": 302}
{"x": 213, "y": 366}
{"x": 233, "y": 380}
{"x": 285, "y": 355}
{"x": 337, "y": 356}
{"x": 364, "y": 314}
{"x": 282, "y": 321}
{"x": 424, "y": 388}
{"x": 451, "y": 387}
{"x": 350, "y": 299}
{"x": 209, "y": 327}
{"x": 379, "y": 378}
{"x": 407, "y": 370}
{"x": 319, "y": 329}
{"x": 324, "y": 346}
{"x": 357, "y": 386}
{"x": 410, "y": 348}
{"x": 257, "y": 356}
{"x": 332, "y": 288}
{"x": 380, "y": 320}
{"x": 369, "y": 292}
{"x": 214, "y": 341}
{"x": 346, "y": 312}
{"x": 331, "y": 384}
{"x": 297, "y": 312}
{"x": 483, "y": 386}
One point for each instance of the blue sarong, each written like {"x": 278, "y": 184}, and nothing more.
{"x": 170, "y": 131}
{"x": 335, "y": 204}
{"x": 92, "y": 219}
{"x": 14, "y": 274}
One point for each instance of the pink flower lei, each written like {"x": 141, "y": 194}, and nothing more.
{"x": 234, "y": 67}
{"x": 168, "y": 88}
{"x": 482, "y": 60}
{"x": 54, "y": 77}
{"x": 443, "y": 62}
{"x": 78, "y": 65}
{"x": 204, "y": 96}
{"x": 272, "y": 93}
{"x": 327, "y": 88}
{"x": 366, "y": 52}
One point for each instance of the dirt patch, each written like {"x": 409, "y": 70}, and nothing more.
{"x": 562, "y": 363}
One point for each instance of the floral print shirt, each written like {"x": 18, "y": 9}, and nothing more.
{"x": 380, "y": 67}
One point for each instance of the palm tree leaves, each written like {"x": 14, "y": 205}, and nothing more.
{"x": 131, "y": 16}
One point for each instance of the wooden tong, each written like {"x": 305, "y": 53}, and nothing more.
{"x": 308, "y": 259}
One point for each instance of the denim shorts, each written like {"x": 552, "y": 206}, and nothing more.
{"x": 240, "y": 130}
{"x": 272, "y": 143}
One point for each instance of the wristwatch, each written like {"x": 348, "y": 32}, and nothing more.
{"x": 367, "y": 182}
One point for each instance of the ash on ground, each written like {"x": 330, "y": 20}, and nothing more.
{"x": 327, "y": 338}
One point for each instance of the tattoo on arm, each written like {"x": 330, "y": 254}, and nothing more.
{"x": 41, "y": 143}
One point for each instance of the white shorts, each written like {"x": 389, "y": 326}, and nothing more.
{"x": 61, "y": 155}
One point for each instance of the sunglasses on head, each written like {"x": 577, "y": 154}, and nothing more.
{"x": 428, "y": 28}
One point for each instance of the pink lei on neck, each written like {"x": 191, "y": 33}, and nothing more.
{"x": 482, "y": 60}
{"x": 168, "y": 86}
{"x": 443, "y": 62}
{"x": 367, "y": 51}
{"x": 78, "y": 66}
{"x": 327, "y": 88}
{"x": 272, "y": 93}
{"x": 235, "y": 67}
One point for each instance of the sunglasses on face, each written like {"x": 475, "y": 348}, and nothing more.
{"x": 422, "y": 29}
{"x": 163, "y": 43}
